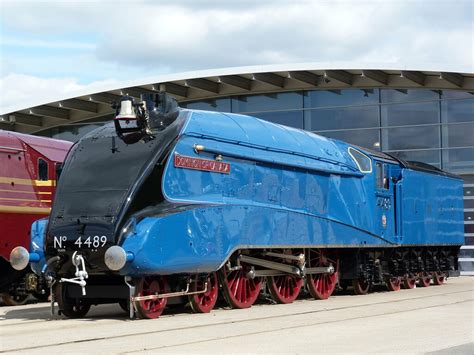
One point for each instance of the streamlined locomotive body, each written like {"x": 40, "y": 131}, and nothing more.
{"x": 169, "y": 204}
{"x": 28, "y": 168}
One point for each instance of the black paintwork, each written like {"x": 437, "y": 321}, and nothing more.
{"x": 102, "y": 175}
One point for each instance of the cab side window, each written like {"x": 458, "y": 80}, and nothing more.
{"x": 363, "y": 162}
{"x": 381, "y": 176}
{"x": 42, "y": 170}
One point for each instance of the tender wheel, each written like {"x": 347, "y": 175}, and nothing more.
{"x": 394, "y": 283}
{"x": 147, "y": 286}
{"x": 284, "y": 288}
{"x": 238, "y": 290}
{"x": 361, "y": 286}
{"x": 14, "y": 300}
{"x": 424, "y": 279}
{"x": 70, "y": 307}
{"x": 409, "y": 281}
{"x": 438, "y": 278}
{"x": 204, "y": 302}
{"x": 321, "y": 286}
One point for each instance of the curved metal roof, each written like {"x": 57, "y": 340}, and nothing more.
{"x": 208, "y": 84}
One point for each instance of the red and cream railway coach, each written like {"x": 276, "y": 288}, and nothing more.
{"x": 29, "y": 167}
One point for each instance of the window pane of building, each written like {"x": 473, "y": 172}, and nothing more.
{"x": 347, "y": 97}
{"x": 458, "y": 160}
{"x": 458, "y": 135}
{"x": 270, "y": 102}
{"x": 70, "y": 133}
{"x": 426, "y": 156}
{"x": 410, "y": 114}
{"x": 403, "y": 95}
{"x": 368, "y": 138}
{"x": 221, "y": 105}
{"x": 411, "y": 138}
{"x": 466, "y": 253}
{"x": 469, "y": 228}
{"x": 453, "y": 111}
{"x": 287, "y": 118}
{"x": 342, "y": 118}
{"x": 468, "y": 203}
{"x": 469, "y": 191}
{"x": 468, "y": 179}
{"x": 469, "y": 216}
{"x": 456, "y": 94}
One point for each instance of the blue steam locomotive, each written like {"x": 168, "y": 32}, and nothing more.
{"x": 168, "y": 205}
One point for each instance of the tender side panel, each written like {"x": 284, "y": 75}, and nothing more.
{"x": 432, "y": 209}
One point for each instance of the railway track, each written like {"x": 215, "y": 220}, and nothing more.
{"x": 183, "y": 332}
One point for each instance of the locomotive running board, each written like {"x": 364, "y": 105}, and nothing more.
{"x": 169, "y": 295}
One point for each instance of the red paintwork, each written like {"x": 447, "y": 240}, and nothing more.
{"x": 23, "y": 198}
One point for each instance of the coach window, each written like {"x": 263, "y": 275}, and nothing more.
{"x": 59, "y": 169}
{"x": 363, "y": 162}
{"x": 42, "y": 170}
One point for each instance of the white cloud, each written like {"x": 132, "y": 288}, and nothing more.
{"x": 132, "y": 39}
{"x": 20, "y": 90}
{"x": 21, "y": 42}
{"x": 184, "y": 35}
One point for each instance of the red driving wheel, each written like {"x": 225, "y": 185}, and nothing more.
{"x": 238, "y": 290}
{"x": 284, "y": 288}
{"x": 321, "y": 286}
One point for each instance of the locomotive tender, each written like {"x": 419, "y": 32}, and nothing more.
{"x": 28, "y": 173}
{"x": 169, "y": 205}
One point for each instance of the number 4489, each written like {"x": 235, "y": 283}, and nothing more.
{"x": 91, "y": 242}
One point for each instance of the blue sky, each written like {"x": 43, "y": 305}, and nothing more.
{"x": 57, "y": 47}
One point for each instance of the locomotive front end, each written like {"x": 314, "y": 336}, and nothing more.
{"x": 101, "y": 186}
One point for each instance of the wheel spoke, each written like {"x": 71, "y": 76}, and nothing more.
{"x": 204, "y": 302}
{"x": 284, "y": 288}
{"x": 147, "y": 286}
{"x": 393, "y": 283}
{"x": 321, "y": 286}
{"x": 239, "y": 291}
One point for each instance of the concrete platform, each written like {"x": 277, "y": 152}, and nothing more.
{"x": 438, "y": 319}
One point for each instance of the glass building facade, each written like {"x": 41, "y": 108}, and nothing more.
{"x": 432, "y": 126}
